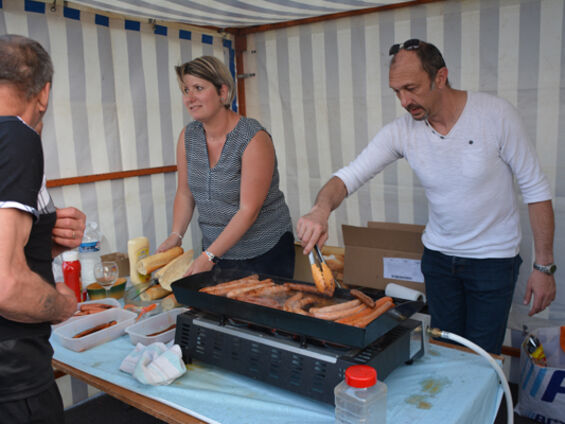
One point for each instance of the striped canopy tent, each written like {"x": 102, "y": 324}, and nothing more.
{"x": 234, "y": 13}
{"x": 313, "y": 72}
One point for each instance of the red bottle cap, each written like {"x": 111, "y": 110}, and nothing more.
{"x": 361, "y": 376}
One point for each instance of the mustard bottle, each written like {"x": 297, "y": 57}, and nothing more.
{"x": 138, "y": 248}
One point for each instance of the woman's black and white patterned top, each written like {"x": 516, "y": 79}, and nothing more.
{"x": 216, "y": 191}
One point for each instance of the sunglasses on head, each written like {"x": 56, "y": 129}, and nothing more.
{"x": 411, "y": 44}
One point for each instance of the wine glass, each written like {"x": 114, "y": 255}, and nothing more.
{"x": 106, "y": 273}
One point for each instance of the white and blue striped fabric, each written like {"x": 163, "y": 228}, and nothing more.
{"x": 322, "y": 92}
{"x": 115, "y": 106}
{"x": 231, "y": 13}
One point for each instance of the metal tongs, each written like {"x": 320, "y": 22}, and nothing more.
{"x": 321, "y": 264}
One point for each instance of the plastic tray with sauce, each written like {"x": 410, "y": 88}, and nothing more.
{"x": 140, "y": 332}
{"x": 65, "y": 333}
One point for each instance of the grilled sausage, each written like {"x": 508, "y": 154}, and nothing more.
{"x": 350, "y": 319}
{"x": 302, "y": 287}
{"x": 170, "y": 327}
{"x": 273, "y": 290}
{"x": 222, "y": 288}
{"x": 289, "y": 303}
{"x": 263, "y": 301}
{"x": 336, "y": 307}
{"x": 94, "y": 329}
{"x": 375, "y": 313}
{"x": 298, "y": 305}
{"x": 340, "y": 313}
{"x": 363, "y": 297}
{"x": 238, "y": 291}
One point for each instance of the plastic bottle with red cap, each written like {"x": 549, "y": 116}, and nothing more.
{"x": 71, "y": 273}
{"x": 360, "y": 398}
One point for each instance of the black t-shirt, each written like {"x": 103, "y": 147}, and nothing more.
{"x": 25, "y": 352}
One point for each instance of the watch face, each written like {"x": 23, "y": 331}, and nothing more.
{"x": 552, "y": 268}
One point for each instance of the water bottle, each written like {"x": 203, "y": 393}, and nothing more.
{"x": 89, "y": 253}
{"x": 360, "y": 398}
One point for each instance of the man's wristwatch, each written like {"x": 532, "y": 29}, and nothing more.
{"x": 211, "y": 257}
{"x": 546, "y": 269}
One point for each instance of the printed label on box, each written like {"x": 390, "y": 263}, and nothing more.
{"x": 403, "y": 269}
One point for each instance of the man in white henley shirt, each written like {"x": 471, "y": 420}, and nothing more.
{"x": 466, "y": 149}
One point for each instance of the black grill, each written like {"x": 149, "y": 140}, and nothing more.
{"x": 310, "y": 368}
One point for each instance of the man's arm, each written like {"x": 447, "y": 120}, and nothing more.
{"x": 540, "y": 285}
{"x": 312, "y": 228}
{"x": 24, "y": 295}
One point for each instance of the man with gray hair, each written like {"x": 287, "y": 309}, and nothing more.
{"x": 32, "y": 232}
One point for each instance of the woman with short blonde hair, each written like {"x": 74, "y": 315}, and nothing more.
{"x": 227, "y": 169}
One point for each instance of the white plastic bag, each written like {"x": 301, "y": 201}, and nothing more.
{"x": 542, "y": 389}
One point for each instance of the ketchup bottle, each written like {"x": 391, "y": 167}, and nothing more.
{"x": 71, "y": 273}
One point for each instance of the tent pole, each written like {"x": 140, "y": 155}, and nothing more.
{"x": 240, "y": 47}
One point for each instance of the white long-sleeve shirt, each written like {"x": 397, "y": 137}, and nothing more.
{"x": 467, "y": 175}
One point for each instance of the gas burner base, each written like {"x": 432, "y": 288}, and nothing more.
{"x": 310, "y": 368}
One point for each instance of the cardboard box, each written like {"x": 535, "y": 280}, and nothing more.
{"x": 121, "y": 259}
{"x": 382, "y": 253}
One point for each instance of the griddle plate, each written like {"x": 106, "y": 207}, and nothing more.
{"x": 187, "y": 292}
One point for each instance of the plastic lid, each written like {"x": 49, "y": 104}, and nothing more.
{"x": 361, "y": 376}
{"x": 70, "y": 256}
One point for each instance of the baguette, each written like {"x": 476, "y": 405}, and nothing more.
{"x": 149, "y": 264}
{"x": 169, "y": 302}
{"x": 153, "y": 293}
{"x": 175, "y": 269}
{"x": 161, "y": 271}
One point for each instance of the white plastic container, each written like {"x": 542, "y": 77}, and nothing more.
{"x": 107, "y": 301}
{"x": 360, "y": 398}
{"x": 64, "y": 334}
{"x": 138, "y": 333}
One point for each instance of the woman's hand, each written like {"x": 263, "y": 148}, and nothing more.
{"x": 172, "y": 241}
{"x": 200, "y": 264}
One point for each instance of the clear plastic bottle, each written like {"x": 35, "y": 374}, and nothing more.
{"x": 360, "y": 398}
{"x": 89, "y": 256}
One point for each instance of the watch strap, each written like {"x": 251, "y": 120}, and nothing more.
{"x": 546, "y": 269}
{"x": 211, "y": 257}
